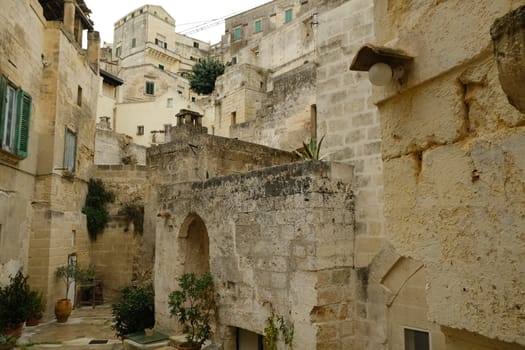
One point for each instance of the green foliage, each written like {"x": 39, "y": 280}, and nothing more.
{"x": 275, "y": 327}
{"x": 70, "y": 273}
{"x": 95, "y": 207}
{"x": 14, "y": 302}
{"x": 311, "y": 150}
{"x": 134, "y": 213}
{"x": 204, "y": 73}
{"x": 194, "y": 306}
{"x": 7, "y": 339}
{"x": 37, "y": 305}
{"x": 135, "y": 311}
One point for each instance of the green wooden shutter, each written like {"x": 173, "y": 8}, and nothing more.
{"x": 3, "y": 98}
{"x": 22, "y": 123}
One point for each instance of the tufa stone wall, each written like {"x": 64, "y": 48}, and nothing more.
{"x": 454, "y": 173}
{"x": 279, "y": 238}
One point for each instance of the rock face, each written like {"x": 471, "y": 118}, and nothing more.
{"x": 508, "y": 35}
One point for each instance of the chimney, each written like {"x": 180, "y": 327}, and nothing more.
{"x": 69, "y": 16}
{"x": 93, "y": 49}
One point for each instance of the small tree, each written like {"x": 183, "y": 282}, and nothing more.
{"x": 204, "y": 74}
{"x": 135, "y": 311}
{"x": 95, "y": 207}
{"x": 194, "y": 306}
{"x": 68, "y": 274}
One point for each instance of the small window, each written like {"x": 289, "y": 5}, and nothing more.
{"x": 234, "y": 118}
{"x": 416, "y": 340}
{"x": 133, "y": 42}
{"x": 193, "y": 99}
{"x": 287, "y": 15}
{"x": 169, "y": 103}
{"x": 161, "y": 67}
{"x": 150, "y": 88}
{"x": 237, "y": 33}
{"x": 140, "y": 130}
{"x": 179, "y": 92}
{"x": 70, "y": 150}
{"x": 165, "y": 45}
{"x": 118, "y": 51}
{"x": 234, "y": 60}
{"x": 15, "y": 107}
{"x": 258, "y": 26}
{"x": 79, "y": 96}
{"x": 195, "y": 44}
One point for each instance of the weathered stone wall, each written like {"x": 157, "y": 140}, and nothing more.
{"x": 454, "y": 173}
{"x": 279, "y": 238}
{"x": 112, "y": 148}
{"x": 200, "y": 157}
{"x": 284, "y": 117}
{"x": 348, "y": 119}
{"x": 121, "y": 254}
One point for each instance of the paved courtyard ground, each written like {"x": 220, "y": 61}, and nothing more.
{"x": 85, "y": 325}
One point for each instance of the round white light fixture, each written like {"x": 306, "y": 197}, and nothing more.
{"x": 380, "y": 74}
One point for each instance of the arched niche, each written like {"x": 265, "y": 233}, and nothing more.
{"x": 195, "y": 245}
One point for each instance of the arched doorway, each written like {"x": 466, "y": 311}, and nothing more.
{"x": 195, "y": 245}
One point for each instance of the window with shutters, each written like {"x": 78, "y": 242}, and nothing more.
{"x": 237, "y": 33}
{"x": 15, "y": 113}
{"x": 288, "y": 15}
{"x": 150, "y": 88}
{"x": 70, "y": 150}
{"x": 258, "y": 26}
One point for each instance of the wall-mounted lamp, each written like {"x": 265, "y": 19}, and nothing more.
{"x": 383, "y": 64}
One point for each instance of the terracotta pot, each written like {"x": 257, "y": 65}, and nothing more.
{"x": 508, "y": 36}
{"x": 7, "y": 346}
{"x": 63, "y": 309}
{"x": 187, "y": 346}
{"x": 14, "y": 332}
{"x": 33, "y": 321}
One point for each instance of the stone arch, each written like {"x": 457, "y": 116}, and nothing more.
{"x": 195, "y": 245}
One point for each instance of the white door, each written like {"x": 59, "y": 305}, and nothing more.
{"x": 72, "y": 261}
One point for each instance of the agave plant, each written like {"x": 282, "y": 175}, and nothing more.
{"x": 311, "y": 149}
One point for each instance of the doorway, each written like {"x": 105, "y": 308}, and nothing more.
{"x": 72, "y": 262}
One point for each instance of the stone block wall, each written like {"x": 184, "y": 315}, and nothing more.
{"x": 112, "y": 148}
{"x": 280, "y": 238}
{"x": 348, "y": 118}
{"x": 120, "y": 254}
{"x": 454, "y": 171}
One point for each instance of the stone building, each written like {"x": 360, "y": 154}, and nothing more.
{"x": 153, "y": 61}
{"x": 49, "y": 86}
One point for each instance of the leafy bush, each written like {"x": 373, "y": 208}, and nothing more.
{"x": 135, "y": 311}
{"x": 37, "y": 305}
{"x": 203, "y": 75}
{"x": 194, "y": 306}
{"x": 95, "y": 207}
{"x": 14, "y": 302}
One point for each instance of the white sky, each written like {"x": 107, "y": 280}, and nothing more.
{"x": 106, "y": 12}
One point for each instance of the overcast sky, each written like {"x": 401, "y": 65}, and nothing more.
{"x": 187, "y": 14}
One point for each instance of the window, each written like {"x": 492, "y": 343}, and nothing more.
{"x": 70, "y": 150}
{"x": 133, "y": 42}
{"x": 161, "y": 67}
{"x": 195, "y": 44}
{"x": 161, "y": 41}
{"x": 234, "y": 60}
{"x": 150, "y": 88}
{"x": 169, "y": 103}
{"x": 287, "y": 15}
{"x": 416, "y": 340}
{"x": 15, "y": 113}
{"x": 258, "y": 26}
{"x": 193, "y": 99}
{"x": 179, "y": 92}
{"x": 234, "y": 118}
{"x": 140, "y": 129}
{"x": 118, "y": 51}
{"x": 237, "y": 33}
{"x": 79, "y": 96}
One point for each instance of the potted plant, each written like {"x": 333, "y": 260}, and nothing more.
{"x": 14, "y": 301}
{"x": 67, "y": 274}
{"x": 7, "y": 342}
{"x": 36, "y": 308}
{"x": 194, "y": 306}
{"x": 135, "y": 311}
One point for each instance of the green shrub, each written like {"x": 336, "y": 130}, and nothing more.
{"x": 95, "y": 207}
{"x": 37, "y": 305}
{"x": 133, "y": 213}
{"x": 14, "y": 302}
{"x": 135, "y": 311}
